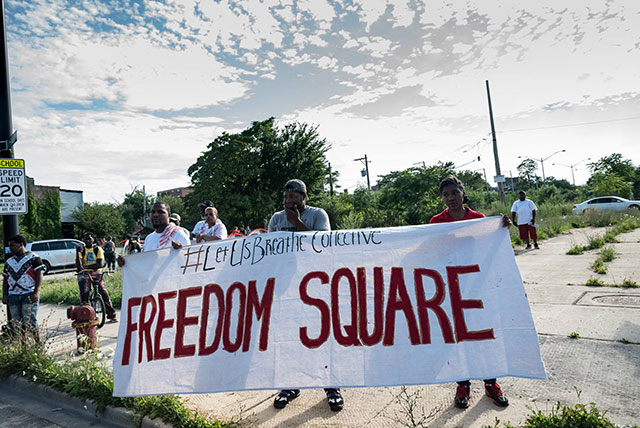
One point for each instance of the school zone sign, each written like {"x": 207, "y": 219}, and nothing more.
{"x": 371, "y": 307}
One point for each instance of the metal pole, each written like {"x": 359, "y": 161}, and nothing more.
{"x": 330, "y": 181}
{"x": 573, "y": 176}
{"x": 495, "y": 144}
{"x": 542, "y": 164}
{"x": 9, "y": 222}
{"x": 366, "y": 164}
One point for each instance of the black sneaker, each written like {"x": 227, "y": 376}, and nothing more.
{"x": 462, "y": 396}
{"x": 285, "y": 397}
{"x": 334, "y": 398}
{"x": 495, "y": 392}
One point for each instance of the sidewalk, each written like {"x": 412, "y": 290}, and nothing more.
{"x": 595, "y": 368}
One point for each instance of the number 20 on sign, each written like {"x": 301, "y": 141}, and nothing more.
{"x": 13, "y": 187}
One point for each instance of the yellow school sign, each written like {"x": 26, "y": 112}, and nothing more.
{"x": 13, "y": 187}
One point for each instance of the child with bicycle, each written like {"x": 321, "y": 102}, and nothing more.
{"x": 89, "y": 263}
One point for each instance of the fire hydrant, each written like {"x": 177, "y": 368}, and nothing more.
{"x": 85, "y": 322}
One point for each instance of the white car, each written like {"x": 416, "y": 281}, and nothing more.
{"x": 606, "y": 203}
{"x": 56, "y": 253}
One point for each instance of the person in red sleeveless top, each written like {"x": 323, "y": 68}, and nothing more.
{"x": 454, "y": 197}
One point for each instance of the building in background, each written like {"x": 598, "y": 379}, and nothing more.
{"x": 178, "y": 192}
{"x": 70, "y": 201}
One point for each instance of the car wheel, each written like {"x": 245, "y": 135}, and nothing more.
{"x": 46, "y": 268}
{"x": 634, "y": 208}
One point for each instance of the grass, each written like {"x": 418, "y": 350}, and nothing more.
{"x": 86, "y": 378}
{"x": 574, "y": 335}
{"x": 599, "y": 267}
{"x": 594, "y": 282}
{"x": 563, "y": 416}
{"x": 622, "y": 223}
{"x": 64, "y": 291}
{"x": 607, "y": 254}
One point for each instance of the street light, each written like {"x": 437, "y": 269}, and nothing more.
{"x": 366, "y": 165}
{"x": 541, "y": 160}
{"x": 573, "y": 166}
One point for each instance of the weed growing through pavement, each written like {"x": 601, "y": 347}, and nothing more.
{"x": 411, "y": 414}
{"x": 576, "y": 250}
{"x": 598, "y": 266}
{"x": 594, "y": 282}
{"x": 607, "y": 254}
{"x": 574, "y": 335}
{"x": 625, "y": 341}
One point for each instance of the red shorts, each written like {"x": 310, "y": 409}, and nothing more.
{"x": 526, "y": 231}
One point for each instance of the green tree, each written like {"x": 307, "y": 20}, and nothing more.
{"x": 602, "y": 184}
{"x": 43, "y": 220}
{"x": 244, "y": 173}
{"x": 527, "y": 172}
{"x": 614, "y": 165}
{"x": 134, "y": 207}
{"x": 100, "y": 219}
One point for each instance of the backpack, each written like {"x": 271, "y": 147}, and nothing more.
{"x": 108, "y": 247}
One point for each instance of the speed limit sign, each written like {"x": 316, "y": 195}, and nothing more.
{"x": 13, "y": 187}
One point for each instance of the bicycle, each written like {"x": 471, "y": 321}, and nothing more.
{"x": 95, "y": 299}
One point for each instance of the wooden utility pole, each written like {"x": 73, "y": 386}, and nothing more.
{"x": 495, "y": 147}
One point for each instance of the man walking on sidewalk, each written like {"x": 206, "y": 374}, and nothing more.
{"x": 526, "y": 211}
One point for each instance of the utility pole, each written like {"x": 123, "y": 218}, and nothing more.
{"x": 7, "y": 135}
{"x": 366, "y": 165}
{"x": 495, "y": 145}
{"x": 330, "y": 181}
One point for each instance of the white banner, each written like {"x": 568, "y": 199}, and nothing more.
{"x": 349, "y": 308}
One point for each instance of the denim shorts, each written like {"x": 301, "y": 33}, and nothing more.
{"x": 23, "y": 312}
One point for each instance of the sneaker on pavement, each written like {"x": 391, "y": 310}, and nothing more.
{"x": 528, "y": 247}
{"x": 285, "y": 397}
{"x": 462, "y": 397}
{"x": 536, "y": 246}
{"x": 495, "y": 392}
{"x": 334, "y": 398}
{"x": 113, "y": 320}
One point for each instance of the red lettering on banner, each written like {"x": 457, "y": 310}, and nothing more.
{"x": 163, "y": 323}
{"x": 322, "y": 307}
{"x": 180, "y": 349}
{"x": 145, "y": 327}
{"x": 227, "y": 344}
{"x": 399, "y": 301}
{"x": 434, "y": 304}
{"x": 351, "y": 338}
{"x": 206, "y": 304}
{"x": 131, "y": 327}
{"x": 458, "y": 305}
{"x": 378, "y": 305}
{"x": 262, "y": 310}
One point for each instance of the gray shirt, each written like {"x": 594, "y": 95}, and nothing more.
{"x": 312, "y": 217}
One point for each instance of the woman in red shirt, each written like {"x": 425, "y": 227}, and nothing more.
{"x": 454, "y": 197}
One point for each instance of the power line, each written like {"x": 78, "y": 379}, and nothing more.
{"x": 572, "y": 124}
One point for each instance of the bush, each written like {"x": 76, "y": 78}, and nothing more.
{"x": 64, "y": 291}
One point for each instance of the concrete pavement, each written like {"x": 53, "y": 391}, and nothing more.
{"x": 597, "y": 367}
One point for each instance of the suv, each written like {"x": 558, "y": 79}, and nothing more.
{"x": 56, "y": 253}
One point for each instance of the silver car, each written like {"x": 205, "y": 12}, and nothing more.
{"x": 56, "y": 253}
{"x": 606, "y": 203}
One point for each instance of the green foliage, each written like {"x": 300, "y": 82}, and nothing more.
{"x": 527, "y": 172}
{"x": 87, "y": 379}
{"x": 607, "y": 254}
{"x": 594, "y": 242}
{"x": 244, "y": 173}
{"x": 135, "y": 207}
{"x": 576, "y": 250}
{"x": 594, "y": 282}
{"x": 629, "y": 283}
{"x": 598, "y": 266}
{"x": 101, "y": 219}
{"x": 610, "y": 184}
{"x": 43, "y": 220}
{"x": 574, "y": 335}
{"x": 64, "y": 291}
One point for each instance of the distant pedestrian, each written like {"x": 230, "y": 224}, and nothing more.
{"x": 200, "y": 226}
{"x": 22, "y": 278}
{"x": 109, "y": 249}
{"x": 526, "y": 213}
{"x": 454, "y": 197}
{"x": 176, "y": 219}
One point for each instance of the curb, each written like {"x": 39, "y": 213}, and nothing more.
{"x": 115, "y": 415}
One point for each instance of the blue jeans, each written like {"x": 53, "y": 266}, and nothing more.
{"x": 24, "y": 314}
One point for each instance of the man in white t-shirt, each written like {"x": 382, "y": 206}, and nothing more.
{"x": 526, "y": 212}
{"x": 165, "y": 235}
{"x": 299, "y": 217}
{"x": 213, "y": 229}
{"x": 200, "y": 226}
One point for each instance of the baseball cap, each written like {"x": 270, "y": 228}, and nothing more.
{"x": 175, "y": 217}
{"x": 206, "y": 203}
{"x": 296, "y": 186}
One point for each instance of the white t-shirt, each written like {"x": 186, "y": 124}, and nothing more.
{"x": 312, "y": 217}
{"x": 154, "y": 240}
{"x": 524, "y": 210}
{"x": 218, "y": 229}
{"x": 199, "y": 227}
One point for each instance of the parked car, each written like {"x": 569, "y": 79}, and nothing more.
{"x": 606, "y": 203}
{"x": 56, "y": 253}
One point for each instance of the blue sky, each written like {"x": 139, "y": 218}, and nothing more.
{"x": 108, "y": 95}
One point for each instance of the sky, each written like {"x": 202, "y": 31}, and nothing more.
{"x": 108, "y": 96}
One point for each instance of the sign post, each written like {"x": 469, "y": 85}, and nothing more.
{"x": 13, "y": 187}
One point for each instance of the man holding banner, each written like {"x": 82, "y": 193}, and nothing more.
{"x": 298, "y": 217}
